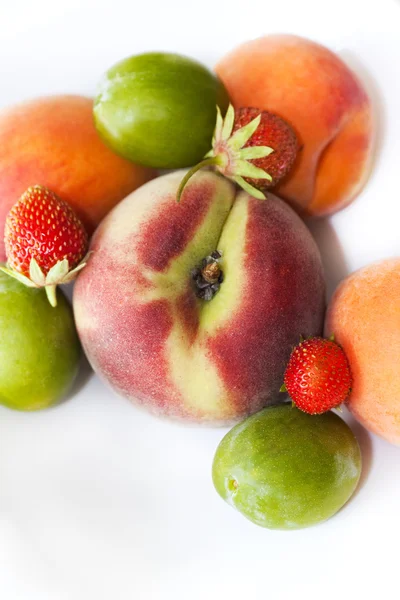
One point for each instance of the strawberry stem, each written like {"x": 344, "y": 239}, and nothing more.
{"x": 207, "y": 162}
{"x": 51, "y": 293}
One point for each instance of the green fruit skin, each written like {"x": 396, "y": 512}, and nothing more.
{"x": 284, "y": 469}
{"x": 39, "y": 347}
{"x": 159, "y": 109}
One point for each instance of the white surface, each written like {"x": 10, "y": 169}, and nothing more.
{"x": 99, "y": 501}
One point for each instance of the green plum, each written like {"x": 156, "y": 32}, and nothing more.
{"x": 284, "y": 469}
{"x": 39, "y": 347}
{"x": 159, "y": 109}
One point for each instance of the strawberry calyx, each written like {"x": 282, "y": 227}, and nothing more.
{"x": 229, "y": 156}
{"x": 46, "y": 243}
{"x": 59, "y": 274}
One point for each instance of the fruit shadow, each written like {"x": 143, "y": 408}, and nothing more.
{"x": 333, "y": 257}
{"x": 84, "y": 374}
{"x": 377, "y": 100}
{"x": 85, "y": 370}
{"x": 365, "y": 443}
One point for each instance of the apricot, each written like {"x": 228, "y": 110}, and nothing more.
{"x": 364, "y": 315}
{"x": 52, "y": 141}
{"x": 314, "y": 90}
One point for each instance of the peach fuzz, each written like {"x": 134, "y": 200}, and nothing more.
{"x": 364, "y": 315}
{"x": 147, "y": 334}
{"x": 52, "y": 141}
{"x": 313, "y": 89}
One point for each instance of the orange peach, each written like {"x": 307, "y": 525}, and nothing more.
{"x": 313, "y": 89}
{"x": 364, "y": 315}
{"x": 53, "y": 142}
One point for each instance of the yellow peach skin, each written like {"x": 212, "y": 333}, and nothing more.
{"x": 364, "y": 315}
{"x": 53, "y": 142}
{"x": 313, "y": 89}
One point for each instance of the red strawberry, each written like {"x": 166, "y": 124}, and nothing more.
{"x": 317, "y": 377}
{"x": 45, "y": 241}
{"x": 272, "y": 131}
{"x": 254, "y": 148}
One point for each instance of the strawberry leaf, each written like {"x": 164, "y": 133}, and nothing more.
{"x": 73, "y": 274}
{"x": 246, "y": 169}
{"x": 19, "y": 277}
{"x": 253, "y": 152}
{"x": 228, "y": 123}
{"x": 242, "y": 135}
{"x": 249, "y": 188}
{"x": 57, "y": 272}
{"x": 218, "y": 127}
{"x": 36, "y": 274}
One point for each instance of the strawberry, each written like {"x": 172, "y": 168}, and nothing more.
{"x": 275, "y": 132}
{"x": 317, "y": 377}
{"x": 254, "y": 148}
{"x": 45, "y": 241}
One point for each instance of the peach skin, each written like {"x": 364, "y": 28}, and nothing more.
{"x": 140, "y": 304}
{"x": 53, "y": 142}
{"x": 311, "y": 88}
{"x": 364, "y": 315}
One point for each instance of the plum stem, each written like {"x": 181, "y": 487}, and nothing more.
{"x": 207, "y": 162}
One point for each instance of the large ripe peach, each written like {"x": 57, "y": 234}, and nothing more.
{"x": 313, "y": 89}
{"x": 364, "y": 315}
{"x": 53, "y": 142}
{"x": 147, "y": 333}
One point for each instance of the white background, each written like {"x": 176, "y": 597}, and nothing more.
{"x": 99, "y": 501}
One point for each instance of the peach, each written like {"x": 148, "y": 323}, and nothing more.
{"x": 364, "y": 315}
{"x": 313, "y": 89}
{"x": 146, "y": 332}
{"x": 53, "y": 142}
